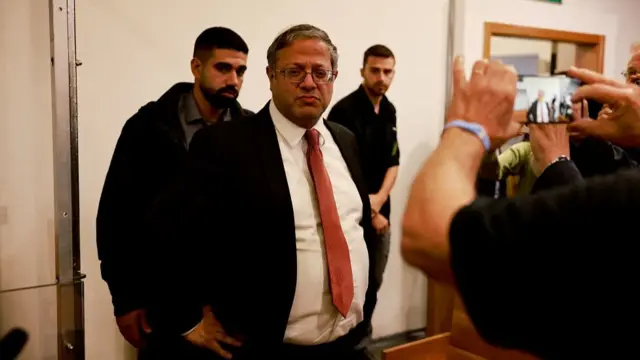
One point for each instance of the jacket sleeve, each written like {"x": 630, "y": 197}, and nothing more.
{"x": 514, "y": 159}
{"x": 558, "y": 174}
{"x": 123, "y": 203}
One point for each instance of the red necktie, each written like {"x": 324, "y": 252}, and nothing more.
{"x": 338, "y": 260}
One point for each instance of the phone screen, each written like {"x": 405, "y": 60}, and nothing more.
{"x": 552, "y": 103}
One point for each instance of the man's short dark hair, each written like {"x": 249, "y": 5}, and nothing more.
{"x": 218, "y": 38}
{"x": 378, "y": 50}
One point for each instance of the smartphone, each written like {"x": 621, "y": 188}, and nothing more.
{"x": 557, "y": 107}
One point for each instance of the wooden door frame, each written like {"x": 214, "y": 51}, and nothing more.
{"x": 440, "y": 298}
{"x": 591, "y": 40}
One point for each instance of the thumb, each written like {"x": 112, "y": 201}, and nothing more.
{"x": 589, "y": 127}
{"x": 144, "y": 324}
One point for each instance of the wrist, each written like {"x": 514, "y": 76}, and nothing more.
{"x": 548, "y": 161}
{"x": 383, "y": 195}
{"x": 463, "y": 147}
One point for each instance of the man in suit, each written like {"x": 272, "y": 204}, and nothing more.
{"x": 150, "y": 153}
{"x": 369, "y": 114}
{"x": 540, "y": 111}
{"x": 274, "y": 227}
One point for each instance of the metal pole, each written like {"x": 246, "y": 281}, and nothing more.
{"x": 65, "y": 140}
{"x": 440, "y": 299}
{"x": 455, "y": 32}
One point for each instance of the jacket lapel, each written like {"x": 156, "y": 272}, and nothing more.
{"x": 266, "y": 140}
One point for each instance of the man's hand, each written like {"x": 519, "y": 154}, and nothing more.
{"x": 209, "y": 334}
{"x": 486, "y": 99}
{"x": 548, "y": 142}
{"x": 377, "y": 201}
{"x": 605, "y": 112}
{"x": 380, "y": 223}
{"x": 133, "y": 326}
{"x": 621, "y": 126}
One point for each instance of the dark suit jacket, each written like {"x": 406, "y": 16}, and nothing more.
{"x": 150, "y": 155}
{"x": 229, "y": 236}
{"x": 532, "y": 114}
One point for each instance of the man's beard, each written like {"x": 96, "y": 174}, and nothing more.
{"x": 377, "y": 89}
{"x": 218, "y": 99}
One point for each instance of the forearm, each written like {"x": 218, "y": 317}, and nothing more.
{"x": 444, "y": 185}
{"x": 388, "y": 182}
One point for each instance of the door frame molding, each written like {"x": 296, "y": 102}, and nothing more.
{"x": 70, "y": 297}
{"x": 594, "y": 41}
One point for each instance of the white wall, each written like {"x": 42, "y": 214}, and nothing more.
{"x": 133, "y": 51}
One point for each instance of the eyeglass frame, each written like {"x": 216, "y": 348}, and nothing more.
{"x": 330, "y": 77}
{"x": 627, "y": 74}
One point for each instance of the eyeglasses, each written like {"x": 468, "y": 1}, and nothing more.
{"x": 319, "y": 76}
{"x": 631, "y": 72}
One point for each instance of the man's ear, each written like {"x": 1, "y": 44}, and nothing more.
{"x": 196, "y": 66}
{"x": 362, "y": 72}
{"x": 335, "y": 76}
{"x": 270, "y": 73}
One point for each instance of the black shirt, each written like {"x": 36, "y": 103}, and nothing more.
{"x": 555, "y": 273}
{"x": 376, "y": 135}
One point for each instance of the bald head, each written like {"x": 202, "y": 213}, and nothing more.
{"x": 633, "y": 68}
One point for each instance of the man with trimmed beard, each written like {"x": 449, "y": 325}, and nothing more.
{"x": 150, "y": 154}
{"x": 369, "y": 114}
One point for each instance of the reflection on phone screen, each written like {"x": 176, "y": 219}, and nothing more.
{"x": 550, "y": 99}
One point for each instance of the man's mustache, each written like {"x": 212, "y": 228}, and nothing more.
{"x": 229, "y": 90}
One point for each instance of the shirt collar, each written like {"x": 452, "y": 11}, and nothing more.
{"x": 192, "y": 114}
{"x": 365, "y": 101}
{"x": 190, "y": 109}
{"x": 291, "y": 132}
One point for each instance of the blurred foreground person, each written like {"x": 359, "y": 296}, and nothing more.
{"x": 12, "y": 344}
{"x": 525, "y": 267}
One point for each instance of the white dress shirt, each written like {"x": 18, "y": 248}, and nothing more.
{"x": 313, "y": 318}
{"x": 543, "y": 112}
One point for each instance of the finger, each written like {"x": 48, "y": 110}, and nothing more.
{"x": 479, "y": 69}
{"x": 132, "y": 335}
{"x": 144, "y": 324}
{"x": 586, "y": 127}
{"x": 603, "y": 93}
{"x": 459, "y": 78}
{"x": 577, "y": 111}
{"x": 222, "y": 337}
{"x": 592, "y": 77}
{"x": 213, "y": 345}
{"x": 604, "y": 113}
{"x": 585, "y": 109}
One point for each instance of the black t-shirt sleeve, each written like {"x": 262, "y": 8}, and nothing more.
{"x": 527, "y": 268}
{"x": 392, "y": 143}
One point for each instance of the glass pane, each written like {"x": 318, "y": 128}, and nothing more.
{"x": 27, "y": 244}
{"x": 33, "y": 310}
